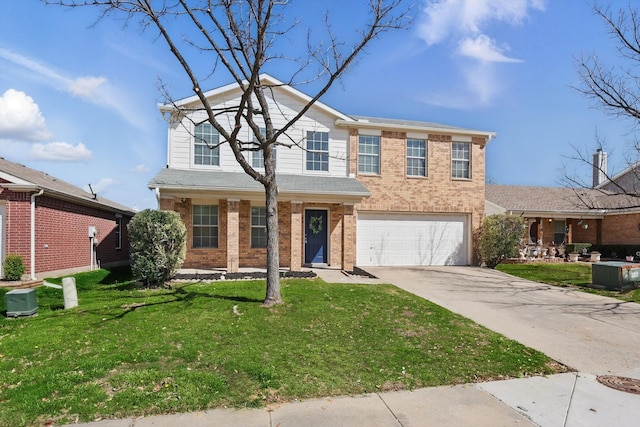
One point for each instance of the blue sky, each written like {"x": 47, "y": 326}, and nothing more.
{"x": 78, "y": 97}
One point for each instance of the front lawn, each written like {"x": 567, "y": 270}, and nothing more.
{"x": 571, "y": 274}
{"x": 129, "y": 352}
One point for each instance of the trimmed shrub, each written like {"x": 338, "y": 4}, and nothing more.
{"x": 577, "y": 247}
{"x": 616, "y": 251}
{"x": 158, "y": 245}
{"x": 500, "y": 237}
{"x": 13, "y": 267}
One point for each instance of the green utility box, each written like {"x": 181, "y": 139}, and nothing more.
{"x": 21, "y": 302}
{"x": 616, "y": 275}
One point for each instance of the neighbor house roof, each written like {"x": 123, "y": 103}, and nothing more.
{"x": 290, "y": 186}
{"x": 557, "y": 200}
{"x": 22, "y": 178}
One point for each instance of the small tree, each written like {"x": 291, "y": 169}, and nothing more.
{"x": 13, "y": 267}
{"x": 500, "y": 237}
{"x": 158, "y": 245}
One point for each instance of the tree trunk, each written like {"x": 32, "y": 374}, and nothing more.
{"x": 273, "y": 254}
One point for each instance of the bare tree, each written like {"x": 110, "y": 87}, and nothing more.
{"x": 239, "y": 37}
{"x": 616, "y": 90}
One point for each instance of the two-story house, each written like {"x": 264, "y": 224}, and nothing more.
{"x": 353, "y": 190}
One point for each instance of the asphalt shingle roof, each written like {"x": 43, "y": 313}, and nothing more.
{"x": 239, "y": 181}
{"x": 557, "y": 199}
{"x": 57, "y": 186}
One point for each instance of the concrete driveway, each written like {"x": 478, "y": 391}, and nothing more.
{"x": 587, "y": 332}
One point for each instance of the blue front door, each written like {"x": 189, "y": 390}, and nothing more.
{"x": 315, "y": 230}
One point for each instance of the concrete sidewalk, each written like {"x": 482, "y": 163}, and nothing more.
{"x": 597, "y": 335}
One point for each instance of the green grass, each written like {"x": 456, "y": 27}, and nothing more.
{"x": 575, "y": 275}
{"x": 129, "y": 352}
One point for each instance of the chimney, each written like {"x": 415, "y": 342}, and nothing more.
{"x": 599, "y": 167}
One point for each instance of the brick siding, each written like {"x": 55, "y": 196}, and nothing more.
{"x": 62, "y": 240}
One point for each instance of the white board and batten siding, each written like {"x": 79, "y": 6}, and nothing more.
{"x": 288, "y": 160}
{"x": 403, "y": 239}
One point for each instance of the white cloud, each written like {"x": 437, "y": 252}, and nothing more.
{"x": 141, "y": 168}
{"x": 483, "y": 49}
{"x": 60, "y": 151}
{"x": 86, "y": 87}
{"x": 465, "y": 24}
{"x": 20, "y": 118}
{"x": 443, "y": 19}
{"x": 89, "y": 88}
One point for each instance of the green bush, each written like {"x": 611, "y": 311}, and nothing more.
{"x": 13, "y": 267}
{"x": 158, "y": 245}
{"x": 577, "y": 247}
{"x": 499, "y": 238}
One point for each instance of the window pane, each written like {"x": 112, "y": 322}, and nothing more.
{"x": 416, "y": 157}
{"x": 258, "y": 227}
{"x": 318, "y": 151}
{"x": 205, "y": 226}
{"x": 369, "y": 154}
{"x": 460, "y": 155}
{"x": 206, "y": 150}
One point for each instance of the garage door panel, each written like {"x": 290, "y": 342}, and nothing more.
{"x": 402, "y": 239}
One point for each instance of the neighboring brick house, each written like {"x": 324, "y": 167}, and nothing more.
{"x": 361, "y": 191}
{"x": 569, "y": 215}
{"x": 48, "y": 223}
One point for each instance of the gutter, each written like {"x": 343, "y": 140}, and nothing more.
{"x": 33, "y": 233}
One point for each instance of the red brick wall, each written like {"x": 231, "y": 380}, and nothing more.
{"x": 621, "y": 229}
{"x": 62, "y": 240}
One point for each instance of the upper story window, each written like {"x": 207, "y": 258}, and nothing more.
{"x": 258, "y": 227}
{"x": 369, "y": 154}
{"x": 257, "y": 157}
{"x": 118, "y": 232}
{"x": 416, "y": 157}
{"x": 205, "y": 226}
{"x": 317, "y": 151}
{"x": 460, "y": 156}
{"x": 205, "y": 148}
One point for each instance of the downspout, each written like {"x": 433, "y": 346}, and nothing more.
{"x": 33, "y": 233}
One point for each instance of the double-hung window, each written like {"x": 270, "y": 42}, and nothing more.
{"x": 369, "y": 154}
{"x": 460, "y": 156}
{"x": 205, "y": 226}
{"x": 257, "y": 157}
{"x": 206, "y": 150}
{"x": 258, "y": 227}
{"x": 416, "y": 157}
{"x": 317, "y": 151}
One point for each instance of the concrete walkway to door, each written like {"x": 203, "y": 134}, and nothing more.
{"x": 587, "y": 332}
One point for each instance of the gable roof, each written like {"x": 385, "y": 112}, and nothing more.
{"x": 547, "y": 201}
{"x": 265, "y": 79}
{"x": 21, "y": 178}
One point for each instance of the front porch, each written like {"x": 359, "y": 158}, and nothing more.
{"x": 230, "y": 234}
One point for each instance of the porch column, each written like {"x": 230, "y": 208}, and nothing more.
{"x": 296, "y": 236}
{"x": 348, "y": 238}
{"x": 540, "y": 230}
{"x": 233, "y": 235}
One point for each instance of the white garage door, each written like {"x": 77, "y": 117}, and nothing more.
{"x": 405, "y": 239}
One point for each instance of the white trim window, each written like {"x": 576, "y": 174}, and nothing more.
{"x": 206, "y": 150}
{"x": 318, "y": 151}
{"x": 369, "y": 154}
{"x": 258, "y": 227}
{"x": 257, "y": 157}
{"x": 205, "y": 226}
{"x": 460, "y": 160}
{"x": 416, "y": 157}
